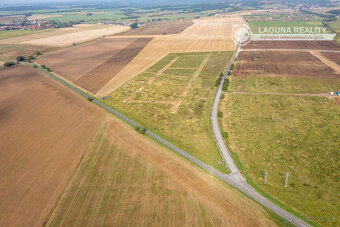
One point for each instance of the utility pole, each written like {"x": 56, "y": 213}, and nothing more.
{"x": 286, "y": 183}
{"x": 265, "y": 177}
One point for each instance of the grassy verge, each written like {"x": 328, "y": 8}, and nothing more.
{"x": 150, "y": 103}
{"x": 283, "y": 134}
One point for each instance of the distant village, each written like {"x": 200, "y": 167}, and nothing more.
{"x": 25, "y": 25}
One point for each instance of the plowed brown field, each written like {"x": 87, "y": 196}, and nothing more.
{"x": 91, "y": 65}
{"x": 212, "y": 34}
{"x": 333, "y": 56}
{"x": 279, "y": 63}
{"x": 44, "y": 130}
{"x": 312, "y": 45}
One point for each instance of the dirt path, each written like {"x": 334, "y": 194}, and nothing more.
{"x": 176, "y": 104}
{"x": 327, "y": 61}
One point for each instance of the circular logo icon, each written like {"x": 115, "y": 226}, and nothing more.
{"x": 241, "y": 34}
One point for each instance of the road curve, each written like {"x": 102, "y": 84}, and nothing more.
{"x": 235, "y": 179}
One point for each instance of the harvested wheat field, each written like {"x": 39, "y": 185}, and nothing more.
{"x": 78, "y": 36}
{"x": 128, "y": 180}
{"x": 282, "y": 63}
{"x": 211, "y": 34}
{"x": 311, "y": 45}
{"x": 44, "y": 130}
{"x": 160, "y": 28}
{"x": 66, "y": 36}
{"x": 91, "y": 65}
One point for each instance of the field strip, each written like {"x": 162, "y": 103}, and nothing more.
{"x": 233, "y": 179}
{"x": 213, "y": 34}
{"x": 304, "y": 50}
{"x": 328, "y": 62}
{"x": 277, "y": 93}
{"x": 177, "y": 103}
{"x": 75, "y": 37}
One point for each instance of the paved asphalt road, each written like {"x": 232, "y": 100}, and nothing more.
{"x": 235, "y": 179}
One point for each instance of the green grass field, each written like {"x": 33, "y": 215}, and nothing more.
{"x": 149, "y": 98}
{"x": 16, "y": 33}
{"x": 289, "y": 134}
{"x": 284, "y": 84}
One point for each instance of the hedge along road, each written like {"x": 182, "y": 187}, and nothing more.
{"x": 234, "y": 179}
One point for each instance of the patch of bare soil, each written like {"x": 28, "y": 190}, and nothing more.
{"x": 98, "y": 77}
{"x": 312, "y": 45}
{"x": 333, "y": 56}
{"x": 278, "y": 63}
{"x": 44, "y": 130}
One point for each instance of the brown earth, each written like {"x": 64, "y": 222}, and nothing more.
{"x": 159, "y": 28}
{"x": 333, "y": 56}
{"x": 44, "y": 130}
{"x": 91, "y": 65}
{"x": 278, "y": 63}
{"x": 313, "y": 45}
{"x": 98, "y": 77}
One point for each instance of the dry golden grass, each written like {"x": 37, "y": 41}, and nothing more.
{"x": 126, "y": 179}
{"x": 211, "y": 34}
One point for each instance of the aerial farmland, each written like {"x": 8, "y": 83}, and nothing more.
{"x": 136, "y": 113}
